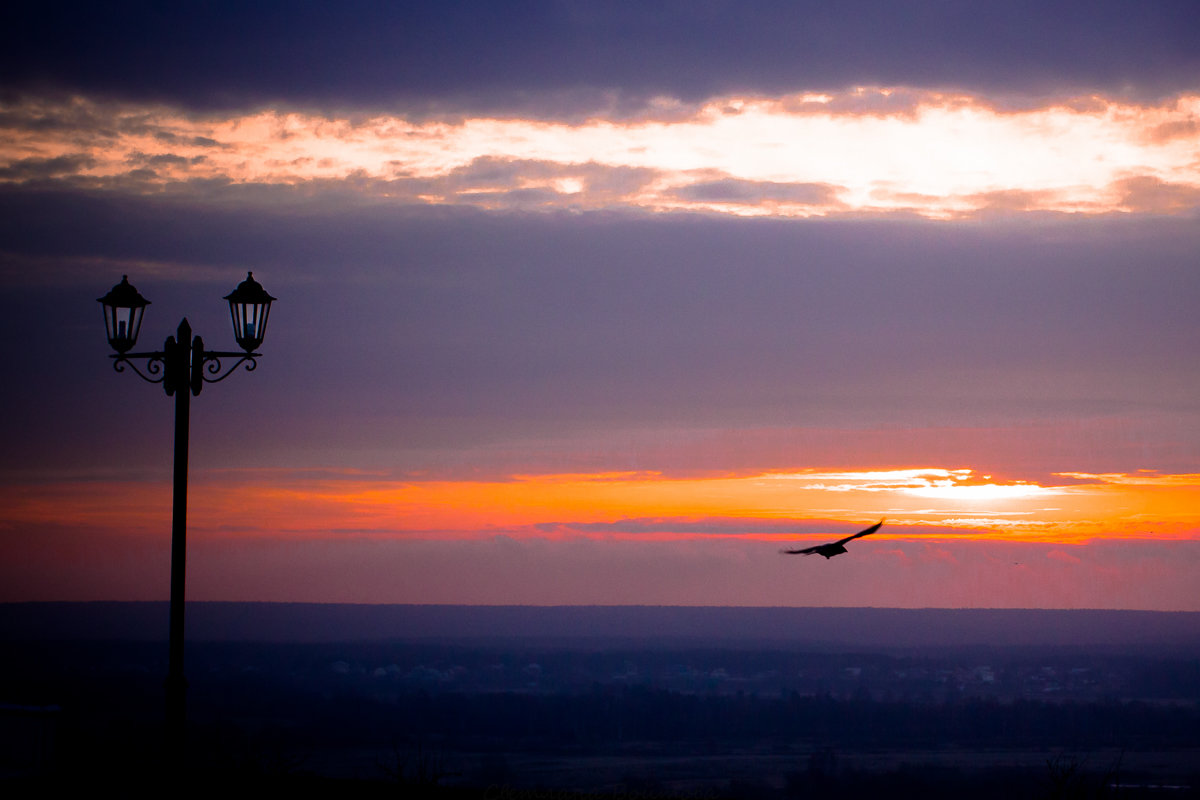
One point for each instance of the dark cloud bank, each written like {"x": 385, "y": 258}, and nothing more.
{"x": 516, "y": 55}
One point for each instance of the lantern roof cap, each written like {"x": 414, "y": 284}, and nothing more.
{"x": 249, "y": 291}
{"x": 123, "y": 295}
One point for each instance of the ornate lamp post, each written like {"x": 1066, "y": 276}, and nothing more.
{"x": 183, "y": 366}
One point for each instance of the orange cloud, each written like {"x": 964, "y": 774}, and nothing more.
{"x": 923, "y": 503}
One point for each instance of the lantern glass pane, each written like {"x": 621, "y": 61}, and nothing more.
{"x": 262, "y": 325}
{"x": 249, "y": 323}
{"x": 122, "y": 324}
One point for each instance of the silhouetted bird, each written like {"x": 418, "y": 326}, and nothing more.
{"x": 831, "y": 549}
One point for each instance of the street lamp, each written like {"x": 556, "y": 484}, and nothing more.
{"x": 183, "y": 366}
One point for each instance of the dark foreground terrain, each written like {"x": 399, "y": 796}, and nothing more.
{"x": 520, "y": 715}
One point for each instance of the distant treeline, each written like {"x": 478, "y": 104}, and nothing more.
{"x": 836, "y": 628}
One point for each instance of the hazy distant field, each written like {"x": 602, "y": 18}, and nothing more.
{"x": 609, "y": 709}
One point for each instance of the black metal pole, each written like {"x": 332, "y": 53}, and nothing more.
{"x": 179, "y": 370}
{"x": 183, "y": 366}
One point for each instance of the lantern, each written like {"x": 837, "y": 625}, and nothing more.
{"x": 249, "y": 305}
{"x": 123, "y": 309}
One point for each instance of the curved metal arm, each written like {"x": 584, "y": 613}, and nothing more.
{"x": 212, "y": 365}
{"x": 155, "y": 365}
{"x": 183, "y": 364}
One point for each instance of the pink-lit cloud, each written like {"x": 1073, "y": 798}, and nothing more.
{"x": 935, "y": 154}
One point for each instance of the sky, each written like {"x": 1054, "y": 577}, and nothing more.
{"x": 606, "y": 303}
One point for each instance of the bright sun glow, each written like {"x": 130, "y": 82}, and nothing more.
{"x": 985, "y": 491}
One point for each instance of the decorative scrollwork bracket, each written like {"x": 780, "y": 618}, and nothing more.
{"x": 156, "y": 371}
{"x": 206, "y": 368}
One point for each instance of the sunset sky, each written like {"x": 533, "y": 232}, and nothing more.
{"x": 605, "y": 303}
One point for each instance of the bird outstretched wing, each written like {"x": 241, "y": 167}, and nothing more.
{"x": 867, "y": 532}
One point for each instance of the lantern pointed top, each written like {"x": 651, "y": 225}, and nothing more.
{"x": 123, "y": 295}
{"x": 249, "y": 291}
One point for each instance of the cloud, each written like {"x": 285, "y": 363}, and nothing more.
{"x": 902, "y": 558}
{"x": 1176, "y": 129}
{"x": 930, "y": 482}
{"x": 934, "y": 553}
{"x": 1141, "y": 478}
{"x": 39, "y": 169}
{"x": 743, "y": 192}
{"x": 489, "y": 179}
{"x": 1146, "y": 193}
{"x": 1063, "y": 556}
{"x": 604, "y": 506}
{"x": 195, "y": 141}
{"x": 68, "y": 563}
{"x": 680, "y": 343}
{"x": 947, "y": 156}
{"x": 1011, "y": 200}
{"x": 475, "y": 56}
{"x": 708, "y": 526}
